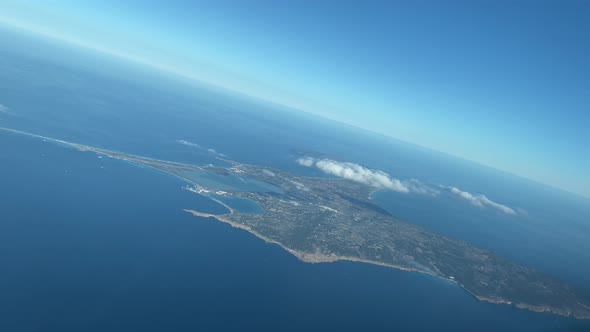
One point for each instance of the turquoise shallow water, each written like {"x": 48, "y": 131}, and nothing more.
{"x": 99, "y": 244}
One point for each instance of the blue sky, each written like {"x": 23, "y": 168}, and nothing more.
{"x": 502, "y": 83}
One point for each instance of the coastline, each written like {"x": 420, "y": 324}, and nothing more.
{"x": 302, "y": 256}
{"x": 317, "y": 258}
{"x": 305, "y": 257}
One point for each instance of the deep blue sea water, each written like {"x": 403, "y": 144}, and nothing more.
{"x": 96, "y": 244}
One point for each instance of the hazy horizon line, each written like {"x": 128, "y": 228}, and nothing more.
{"x": 177, "y": 74}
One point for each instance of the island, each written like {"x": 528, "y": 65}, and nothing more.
{"x": 331, "y": 219}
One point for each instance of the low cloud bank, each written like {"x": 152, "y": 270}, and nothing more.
{"x": 381, "y": 180}
{"x": 355, "y": 172}
{"x": 481, "y": 200}
{"x": 418, "y": 187}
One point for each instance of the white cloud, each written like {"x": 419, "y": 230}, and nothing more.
{"x": 355, "y": 172}
{"x": 267, "y": 172}
{"x": 187, "y": 143}
{"x": 306, "y": 161}
{"x": 212, "y": 151}
{"x": 481, "y": 200}
{"x": 195, "y": 145}
{"x": 381, "y": 180}
{"x": 418, "y": 187}
{"x": 5, "y": 110}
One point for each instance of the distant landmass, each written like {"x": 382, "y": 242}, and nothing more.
{"x": 331, "y": 219}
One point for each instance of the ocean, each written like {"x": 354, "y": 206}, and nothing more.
{"x": 98, "y": 244}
